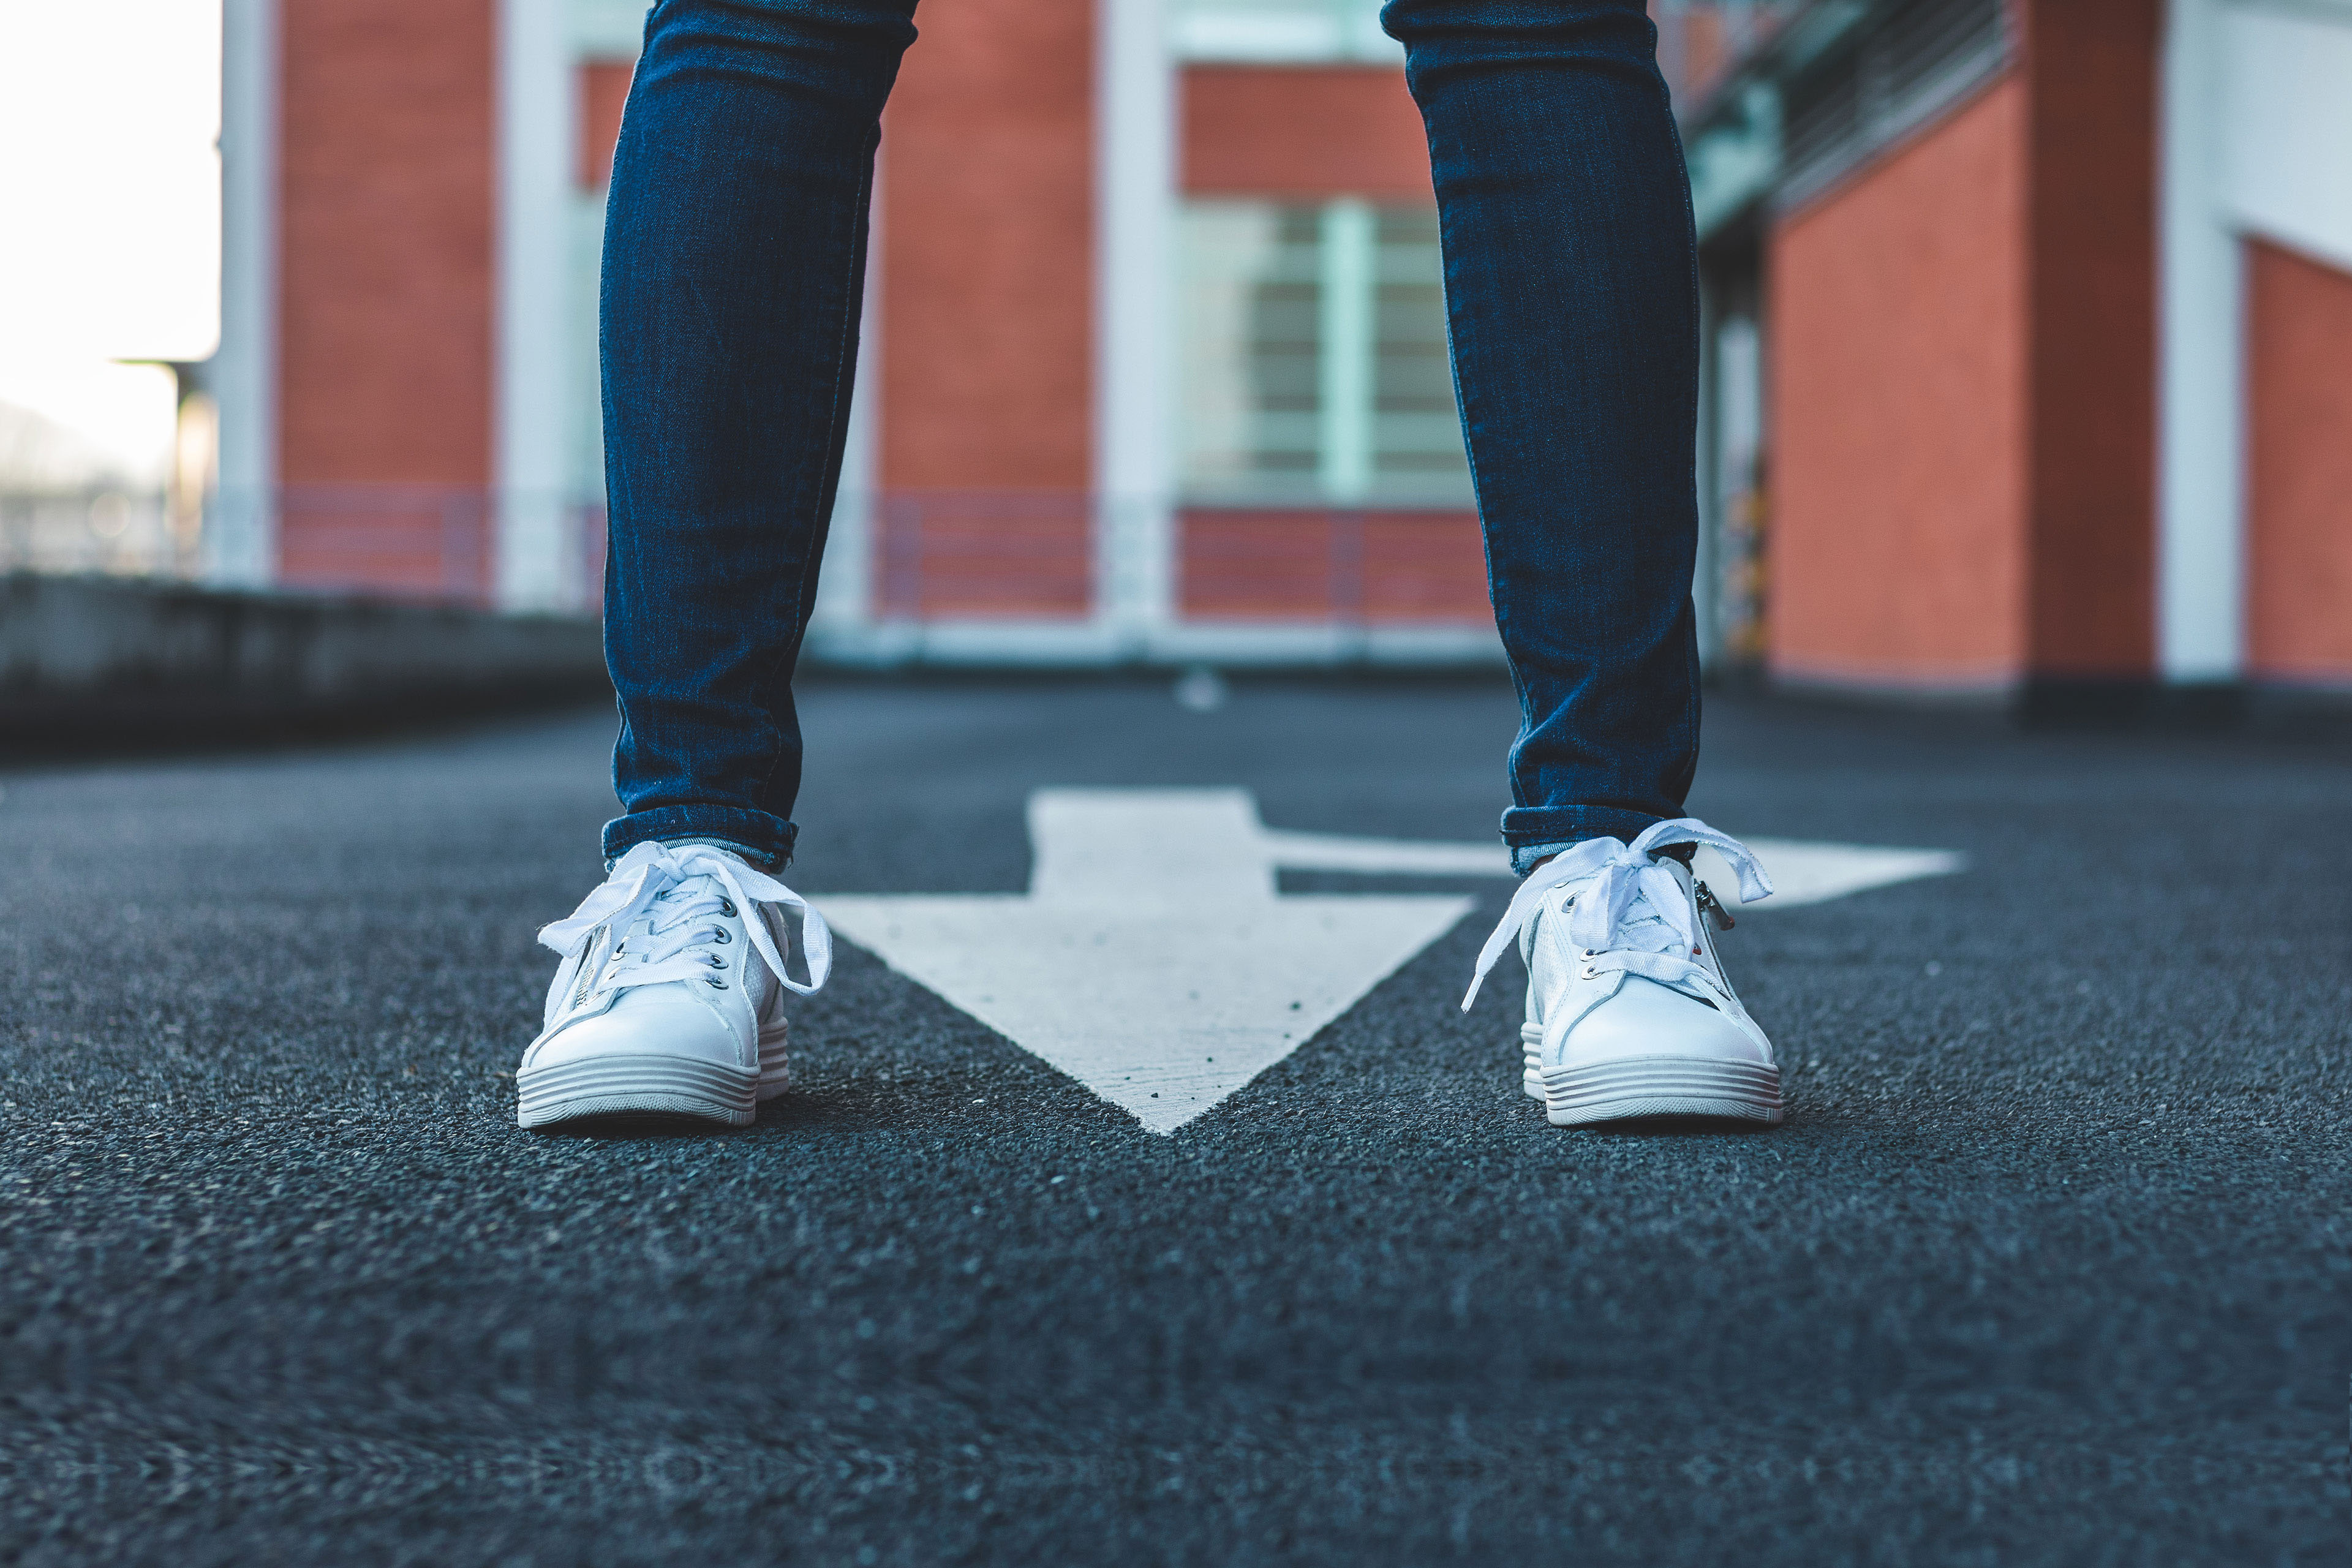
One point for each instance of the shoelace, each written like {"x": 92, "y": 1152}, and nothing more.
{"x": 1601, "y": 920}
{"x": 647, "y": 881}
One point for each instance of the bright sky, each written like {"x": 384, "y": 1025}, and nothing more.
{"x": 110, "y": 203}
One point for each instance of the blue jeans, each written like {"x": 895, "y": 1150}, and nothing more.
{"x": 734, "y": 250}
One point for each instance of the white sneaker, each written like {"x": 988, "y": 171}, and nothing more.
{"x": 668, "y": 998}
{"x": 1629, "y": 1012}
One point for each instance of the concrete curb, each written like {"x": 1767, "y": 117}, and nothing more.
{"x": 112, "y": 660}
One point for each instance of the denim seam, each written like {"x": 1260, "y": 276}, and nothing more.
{"x": 836, "y": 437}
{"x": 1495, "y": 600}
{"x": 693, "y": 819}
{"x": 1575, "y": 819}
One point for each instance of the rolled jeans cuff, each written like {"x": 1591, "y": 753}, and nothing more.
{"x": 764, "y": 840}
{"x": 1535, "y": 833}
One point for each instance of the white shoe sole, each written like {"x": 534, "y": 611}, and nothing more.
{"x": 1661, "y": 1086}
{"x": 774, "y": 1075}
{"x": 1531, "y": 1049}
{"x": 650, "y": 1085}
{"x": 637, "y": 1086}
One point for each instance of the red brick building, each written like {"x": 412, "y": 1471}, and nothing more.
{"x": 2028, "y": 329}
{"x": 1154, "y": 362}
{"x": 2033, "y": 376}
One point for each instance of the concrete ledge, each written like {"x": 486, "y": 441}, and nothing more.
{"x": 2055, "y": 703}
{"x": 122, "y": 661}
{"x": 2311, "y": 708}
{"x": 1960, "y": 696}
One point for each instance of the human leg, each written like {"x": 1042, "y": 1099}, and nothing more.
{"x": 1571, "y": 292}
{"x": 734, "y": 260}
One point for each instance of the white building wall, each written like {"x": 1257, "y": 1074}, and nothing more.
{"x": 1135, "y": 302}
{"x": 2287, "y": 162}
{"x": 2257, "y": 142}
{"x": 2200, "y": 420}
{"x": 840, "y": 619}
{"x": 240, "y": 537}
{"x": 535, "y": 567}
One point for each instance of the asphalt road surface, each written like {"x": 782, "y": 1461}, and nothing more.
{"x": 2048, "y": 1264}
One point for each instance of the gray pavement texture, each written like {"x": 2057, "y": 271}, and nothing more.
{"x": 2048, "y": 1265}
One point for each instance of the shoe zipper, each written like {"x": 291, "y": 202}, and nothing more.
{"x": 1710, "y": 904}
{"x": 591, "y": 962}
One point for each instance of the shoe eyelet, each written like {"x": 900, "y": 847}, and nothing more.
{"x": 715, "y": 983}
{"x": 719, "y": 935}
{"x": 727, "y": 907}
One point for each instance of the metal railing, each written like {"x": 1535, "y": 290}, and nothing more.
{"x": 404, "y": 540}
{"x": 119, "y": 532}
{"x": 926, "y": 556}
{"x": 1059, "y": 555}
{"x": 426, "y": 542}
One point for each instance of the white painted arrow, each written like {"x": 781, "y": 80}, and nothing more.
{"x": 1154, "y": 960}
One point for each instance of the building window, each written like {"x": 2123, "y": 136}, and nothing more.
{"x": 1315, "y": 369}
{"x": 1290, "y": 32}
